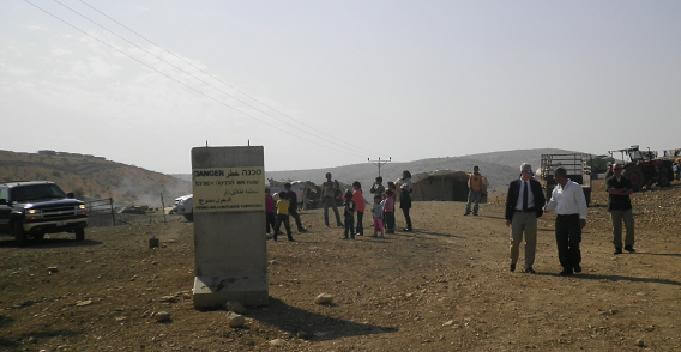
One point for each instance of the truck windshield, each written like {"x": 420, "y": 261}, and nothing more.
{"x": 35, "y": 192}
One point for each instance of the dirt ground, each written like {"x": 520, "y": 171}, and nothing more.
{"x": 444, "y": 287}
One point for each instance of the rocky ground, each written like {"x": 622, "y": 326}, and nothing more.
{"x": 443, "y": 287}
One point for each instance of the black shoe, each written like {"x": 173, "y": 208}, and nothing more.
{"x": 466, "y": 214}
{"x": 290, "y": 239}
{"x": 577, "y": 269}
{"x": 530, "y": 271}
{"x": 512, "y": 267}
{"x": 475, "y": 214}
{"x": 618, "y": 251}
{"x": 302, "y": 230}
{"x": 566, "y": 272}
{"x": 629, "y": 249}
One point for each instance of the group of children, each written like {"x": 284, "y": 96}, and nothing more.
{"x": 382, "y": 210}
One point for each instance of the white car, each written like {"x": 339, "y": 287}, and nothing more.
{"x": 184, "y": 205}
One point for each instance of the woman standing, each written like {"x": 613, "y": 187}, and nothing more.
{"x": 405, "y": 198}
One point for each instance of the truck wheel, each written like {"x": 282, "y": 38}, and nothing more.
{"x": 80, "y": 234}
{"x": 39, "y": 236}
{"x": 18, "y": 231}
{"x": 189, "y": 216}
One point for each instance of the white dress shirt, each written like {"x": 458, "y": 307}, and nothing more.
{"x": 530, "y": 195}
{"x": 568, "y": 200}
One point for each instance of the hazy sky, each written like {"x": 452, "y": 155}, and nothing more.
{"x": 336, "y": 82}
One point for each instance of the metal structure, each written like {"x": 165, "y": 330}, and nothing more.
{"x": 644, "y": 169}
{"x": 380, "y": 162}
{"x": 577, "y": 167}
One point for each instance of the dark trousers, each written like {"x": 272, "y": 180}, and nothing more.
{"x": 568, "y": 236}
{"x": 330, "y": 202}
{"x": 296, "y": 216}
{"x": 349, "y": 227}
{"x": 270, "y": 222}
{"x": 390, "y": 221}
{"x": 283, "y": 218}
{"x": 407, "y": 218}
{"x": 360, "y": 227}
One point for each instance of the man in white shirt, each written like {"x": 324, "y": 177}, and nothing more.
{"x": 569, "y": 204}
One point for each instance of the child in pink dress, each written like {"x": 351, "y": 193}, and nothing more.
{"x": 377, "y": 212}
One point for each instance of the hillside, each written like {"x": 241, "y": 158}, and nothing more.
{"x": 514, "y": 158}
{"x": 92, "y": 177}
{"x": 498, "y": 167}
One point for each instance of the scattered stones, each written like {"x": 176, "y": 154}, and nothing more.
{"x": 640, "y": 293}
{"x": 83, "y": 303}
{"x": 641, "y": 343}
{"x": 448, "y": 323}
{"x": 168, "y": 299}
{"x": 408, "y": 294}
{"x": 119, "y": 319}
{"x": 324, "y": 298}
{"x": 236, "y": 320}
{"x": 162, "y": 316}
{"x": 52, "y": 270}
{"x": 277, "y": 342}
{"x": 273, "y": 262}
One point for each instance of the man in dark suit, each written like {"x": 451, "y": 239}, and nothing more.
{"x": 524, "y": 203}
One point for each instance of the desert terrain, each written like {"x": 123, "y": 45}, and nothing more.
{"x": 444, "y": 287}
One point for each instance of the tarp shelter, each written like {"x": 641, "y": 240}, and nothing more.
{"x": 444, "y": 185}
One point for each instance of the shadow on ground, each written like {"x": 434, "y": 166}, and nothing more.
{"x": 49, "y": 243}
{"x": 310, "y": 325}
{"x": 615, "y": 277}
{"x": 6, "y": 341}
{"x": 431, "y": 233}
{"x": 660, "y": 254}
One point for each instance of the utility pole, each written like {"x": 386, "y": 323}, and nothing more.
{"x": 380, "y": 162}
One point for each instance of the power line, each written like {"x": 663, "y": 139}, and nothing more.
{"x": 223, "y": 92}
{"x": 184, "y": 84}
{"x": 216, "y": 78}
{"x": 380, "y": 162}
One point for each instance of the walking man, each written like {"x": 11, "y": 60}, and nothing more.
{"x": 293, "y": 206}
{"x": 569, "y": 204}
{"x": 474, "y": 191}
{"x": 524, "y": 204}
{"x": 329, "y": 192}
{"x": 619, "y": 206}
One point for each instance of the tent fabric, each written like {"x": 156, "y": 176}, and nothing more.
{"x": 442, "y": 185}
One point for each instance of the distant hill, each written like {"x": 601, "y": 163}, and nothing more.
{"x": 93, "y": 177}
{"x": 499, "y": 168}
{"x": 514, "y": 158}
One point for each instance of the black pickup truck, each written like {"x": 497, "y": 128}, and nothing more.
{"x": 39, "y": 207}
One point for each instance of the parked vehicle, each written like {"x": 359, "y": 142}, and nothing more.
{"x": 644, "y": 169}
{"x": 184, "y": 205}
{"x": 37, "y": 208}
{"x": 577, "y": 167}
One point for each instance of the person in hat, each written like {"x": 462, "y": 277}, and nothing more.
{"x": 524, "y": 204}
{"x": 474, "y": 191}
{"x": 329, "y": 192}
